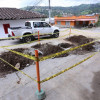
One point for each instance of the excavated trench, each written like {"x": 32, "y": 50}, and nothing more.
{"x": 45, "y": 50}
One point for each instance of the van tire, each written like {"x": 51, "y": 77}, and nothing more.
{"x": 56, "y": 34}
{"x": 27, "y": 39}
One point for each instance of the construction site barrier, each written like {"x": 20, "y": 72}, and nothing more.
{"x": 53, "y": 76}
{"x": 61, "y": 72}
{"x": 18, "y": 69}
{"x": 50, "y": 56}
{"x": 14, "y": 37}
{"x": 84, "y": 32}
{"x": 33, "y": 41}
{"x": 65, "y": 51}
{"x": 37, "y": 59}
{"x": 22, "y": 54}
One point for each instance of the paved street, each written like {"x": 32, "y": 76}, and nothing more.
{"x": 79, "y": 83}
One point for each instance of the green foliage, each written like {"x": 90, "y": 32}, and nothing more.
{"x": 98, "y": 23}
{"x": 58, "y": 11}
{"x": 86, "y": 12}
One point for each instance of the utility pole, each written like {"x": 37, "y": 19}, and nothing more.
{"x": 49, "y": 12}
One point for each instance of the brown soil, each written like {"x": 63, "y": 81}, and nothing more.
{"x": 13, "y": 59}
{"x": 64, "y": 45}
{"x": 79, "y": 40}
{"x": 37, "y": 46}
{"x": 48, "y": 49}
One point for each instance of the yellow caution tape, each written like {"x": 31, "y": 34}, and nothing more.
{"x": 14, "y": 37}
{"x": 61, "y": 72}
{"x": 84, "y": 32}
{"x": 50, "y": 56}
{"x": 66, "y": 51}
{"x": 18, "y": 69}
{"x": 32, "y": 42}
{"x": 22, "y": 54}
{"x": 65, "y": 30}
{"x": 18, "y": 44}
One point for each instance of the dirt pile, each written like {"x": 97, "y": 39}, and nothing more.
{"x": 64, "y": 45}
{"x": 13, "y": 59}
{"x": 48, "y": 49}
{"x": 79, "y": 40}
{"x": 36, "y": 46}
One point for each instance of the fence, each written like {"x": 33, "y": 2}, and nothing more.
{"x": 40, "y": 93}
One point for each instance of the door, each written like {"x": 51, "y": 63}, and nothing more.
{"x": 38, "y": 27}
{"x": 77, "y": 23}
{"x": 6, "y": 26}
{"x": 68, "y": 24}
{"x": 47, "y": 28}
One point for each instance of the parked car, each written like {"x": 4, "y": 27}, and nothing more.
{"x": 33, "y": 27}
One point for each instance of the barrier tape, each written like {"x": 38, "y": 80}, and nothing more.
{"x": 50, "y": 56}
{"x": 65, "y": 30}
{"x": 66, "y": 51}
{"x": 33, "y": 41}
{"x": 18, "y": 69}
{"x": 18, "y": 44}
{"x": 61, "y": 72}
{"x": 95, "y": 37}
{"x": 83, "y": 32}
{"x": 14, "y": 37}
{"x": 22, "y": 54}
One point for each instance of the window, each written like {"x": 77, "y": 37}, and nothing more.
{"x": 40, "y": 24}
{"x": 37, "y": 24}
{"x": 6, "y": 26}
{"x": 58, "y": 22}
{"x": 45, "y": 24}
{"x": 28, "y": 24}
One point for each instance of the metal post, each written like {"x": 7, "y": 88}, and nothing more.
{"x": 49, "y": 12}
{"x": 70, "y": 31}
{"x": 40, "y": 94}
{"x": 38, "y": 37}
{"x": 37, "y": 70}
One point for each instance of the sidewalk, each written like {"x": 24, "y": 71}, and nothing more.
{"x": 76, "y": 84}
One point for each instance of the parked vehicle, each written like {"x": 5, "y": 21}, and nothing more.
{"x": 32, "y": 27}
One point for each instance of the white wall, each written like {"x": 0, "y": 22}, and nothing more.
{"x": 13, "y": 23}
{"x": 51, "y": 21}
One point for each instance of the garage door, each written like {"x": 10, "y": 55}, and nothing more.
{"x": 67, "y": 24}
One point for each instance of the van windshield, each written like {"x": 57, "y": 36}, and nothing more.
{"x": 28, "y": 24}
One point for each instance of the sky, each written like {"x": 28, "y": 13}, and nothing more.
{"x": 65, "y": 3}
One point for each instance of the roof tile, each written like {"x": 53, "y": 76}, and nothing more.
{"x": 13, "y": 13}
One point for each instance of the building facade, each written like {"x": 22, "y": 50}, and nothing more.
{"x": 76, "y": 21}
{"x": 12, "y": 17}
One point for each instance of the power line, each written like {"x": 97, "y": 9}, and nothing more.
{"x": 35, "y": 4}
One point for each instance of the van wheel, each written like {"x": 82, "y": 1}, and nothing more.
{"x": 55, "y": 35}
{"x": 27, "y": 39}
